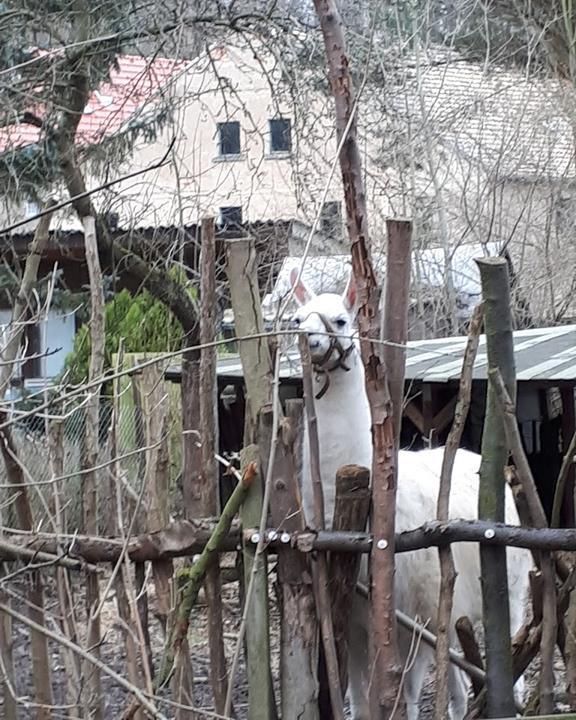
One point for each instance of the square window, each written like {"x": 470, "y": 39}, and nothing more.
{"x": 331, "y": 218}
{"x": 280, "y": 135}
{"x": 231, "y": 217}
{"x": 229, "y": 138}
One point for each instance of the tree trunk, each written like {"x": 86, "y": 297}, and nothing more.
{"x": 22, "y": 303}
{"x": 496, "y": 611}
{"x": 385, "y": 696}
{"x": 15, "y": 476}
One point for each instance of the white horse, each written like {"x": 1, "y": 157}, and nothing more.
{"x": 344, "y": 433}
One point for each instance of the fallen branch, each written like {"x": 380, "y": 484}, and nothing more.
{"x": 12, "y": 551}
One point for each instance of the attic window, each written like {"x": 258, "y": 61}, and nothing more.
{"x": 229, "y": 138}
{"x": 280, "y": 135}
{"x": 331, "y": 218}
{"x": 231, "y": 217}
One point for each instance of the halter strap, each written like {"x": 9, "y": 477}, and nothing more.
{"x": 334, "y": 346}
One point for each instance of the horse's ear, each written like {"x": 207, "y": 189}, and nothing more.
{"x": 349, "y": 295}
{"x": 302, "y": 293}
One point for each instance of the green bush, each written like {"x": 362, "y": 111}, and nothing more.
{"x": 145, "y": 325}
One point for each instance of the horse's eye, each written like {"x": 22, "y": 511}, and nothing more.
{"x": 296, "y": 321}
{"x": 341, "y": 322}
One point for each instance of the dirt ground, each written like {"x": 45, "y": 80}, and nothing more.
{"x": 112, "y": 652}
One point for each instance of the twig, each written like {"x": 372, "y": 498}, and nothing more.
{"x": 447, "y": 569}
{"x": 320, "y": 567}
{"x": 88, "y": 656}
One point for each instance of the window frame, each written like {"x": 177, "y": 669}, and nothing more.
{"x": 230, "y": 223}
{"x": 283, "y": 150}
{"x": 220, "y": 129}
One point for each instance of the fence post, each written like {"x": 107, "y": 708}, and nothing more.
{"x": 299, "y": 627}
{"x": 496, "y": 614}
{"x": 256, "y": 363}
{"x": 351, "y": 509}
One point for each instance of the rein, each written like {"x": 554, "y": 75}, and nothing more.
{"x": 335, "y": 346}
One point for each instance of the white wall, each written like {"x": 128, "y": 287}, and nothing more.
{"x": 57, "y": 332}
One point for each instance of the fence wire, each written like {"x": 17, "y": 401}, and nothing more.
{"x": 36, "y": 454}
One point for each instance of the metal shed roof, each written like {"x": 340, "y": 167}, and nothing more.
{"x": 545, "y": 355}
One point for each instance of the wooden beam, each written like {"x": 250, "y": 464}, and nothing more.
{"x": 414, "y": 414}
{"x": 444, "y": 416}
{"x": 568, "y": 429}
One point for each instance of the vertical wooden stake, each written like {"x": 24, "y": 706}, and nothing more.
{"x": 299, "y": 627}
{"x": 500, "y": 350}
{"x": 320, "y": 569}
{"x": 256, "y": 363}
{"x": 209, "y": 471}
{"x": 397, "y": 298}
{"x": 351, "y": 510}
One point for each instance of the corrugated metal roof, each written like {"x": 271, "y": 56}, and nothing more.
{"x": 544, "y": 354}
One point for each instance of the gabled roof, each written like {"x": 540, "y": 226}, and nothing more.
{"x": 135, "y": 82}
{"x": 512, "y": 125}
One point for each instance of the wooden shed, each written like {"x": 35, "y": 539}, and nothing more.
{"x": 546, "y": 375}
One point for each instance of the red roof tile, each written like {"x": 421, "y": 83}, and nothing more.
{"x": 130, "y": 87}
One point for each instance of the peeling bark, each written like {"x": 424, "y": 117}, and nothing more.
{"x": 385, "y": 695}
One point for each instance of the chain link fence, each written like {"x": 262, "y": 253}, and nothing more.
{"x": 50, "y": 453}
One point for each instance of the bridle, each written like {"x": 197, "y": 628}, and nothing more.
{"x": 335, "y": 346}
